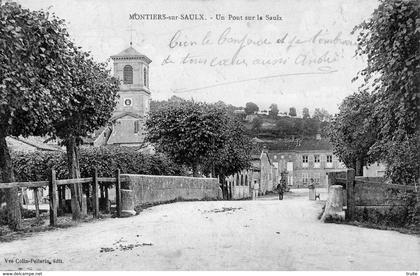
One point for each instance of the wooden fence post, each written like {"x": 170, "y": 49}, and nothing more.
{"x": 60, "y": 199}
{"x": 350, "y": 176}
{"x": 52, "y": 191}
{"x": 107, "y": 204}
{"x": 95, "y": 199}
{"x": 118, "y": 194}
{"x": 36, "y": 200}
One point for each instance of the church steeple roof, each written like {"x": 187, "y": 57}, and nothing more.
{"x": 131, "y": 53}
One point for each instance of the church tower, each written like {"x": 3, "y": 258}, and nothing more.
{"x": 132, "y": 69}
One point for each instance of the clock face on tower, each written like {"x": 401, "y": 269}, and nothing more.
{"x": 127, "y": 102}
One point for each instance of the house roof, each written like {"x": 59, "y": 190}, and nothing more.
{"x": 256, "y": 140}
{"x": 38, "y": 143}
{"x": 123, "y": 114}
{"x": 314, "y": 144}
{"x": 131, "y": 53}
{"x": 92, "y": 138}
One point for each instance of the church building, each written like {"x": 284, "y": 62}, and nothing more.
{"x": 127, "y": 125}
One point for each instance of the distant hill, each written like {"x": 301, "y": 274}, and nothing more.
{"x": 266, "y": 127}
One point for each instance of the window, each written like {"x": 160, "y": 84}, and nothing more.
{"x": 305, "y": 161}
{"x": 317, "y": 161}
{"x": 145, "y": 76}
{"x": 136, "y": 126}
{"x": 128, "y": 74}
{"x": 242, "y": 179}
{"x": 329, "y": 158}
{"x": 289, "y": 166}
{"x": 246, "y": 180}
{"x": 329, "y": 161}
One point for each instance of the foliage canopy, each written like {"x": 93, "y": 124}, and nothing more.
{"x": 198, "y": 134}
{"x": 389, "y": 40}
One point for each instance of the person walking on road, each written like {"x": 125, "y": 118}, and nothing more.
{"x": 255, "y": 188}
{"x": 280, "y": 190}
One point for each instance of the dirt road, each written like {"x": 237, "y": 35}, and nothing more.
{"x": 265, "y": 234}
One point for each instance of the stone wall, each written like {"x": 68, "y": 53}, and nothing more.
{"x": 379, "y": 202}
{"x": 370, "y": 193}
{"x": 372, "y": 199}
{"x": 149, "y": 189}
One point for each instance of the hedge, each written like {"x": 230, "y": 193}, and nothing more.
{"x": 35, "y": 166}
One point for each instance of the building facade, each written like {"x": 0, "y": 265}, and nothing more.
{"x": 306, "y": 161}
{"x": 128, "y": 120}
{"x": 262, "y": 171}
{"x": 127, "y": 124}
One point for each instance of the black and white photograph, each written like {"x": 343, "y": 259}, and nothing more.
{"x": 209, "y": 135}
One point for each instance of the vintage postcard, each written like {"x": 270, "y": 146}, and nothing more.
{"x": 188, "y": 135}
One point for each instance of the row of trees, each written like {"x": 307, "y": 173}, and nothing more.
{"x": 49, "y": 86}
{"x": 319, "y": 113}
{"x": 207, "y": 138}
{"x": 381, "y": 121}
{"x": 288, "y": 127}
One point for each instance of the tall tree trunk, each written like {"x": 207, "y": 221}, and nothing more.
{"x": 359, "y": 167}
{"x": 36, "y": 201}
{"x": 74, "y": 172}
{"x": 12, "y": 198}
{"x": 195, "y": 170}
{"x": 213, "y": 171}
{"x": 354, "y": 165}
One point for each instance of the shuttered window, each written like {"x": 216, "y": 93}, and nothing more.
{"x": 128, "y": 74}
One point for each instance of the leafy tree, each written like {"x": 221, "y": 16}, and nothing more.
{"x": 154, "y": 105}
{"x": 305, "y": 113}
{"x": 390, "y": 41}
{"x": 235, "y": 155}
{"x": 257, "y": 124}
{"x": 321, "y": 115}
{"x": 93, "y": 99}
{"x": 292, "y": 111}
{"x": 274, "y": 110}
{"x": 34, "y": 46}
{"x": 352, "y": 131}
{"x": 232, "y": 110}
{"x": 188, "y": 132}
{"x": 251, "y": 108}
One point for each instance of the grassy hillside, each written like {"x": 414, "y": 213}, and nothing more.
{"x": 266, "y": 127}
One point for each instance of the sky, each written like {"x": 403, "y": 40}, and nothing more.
{"x": 291, "y": 53}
